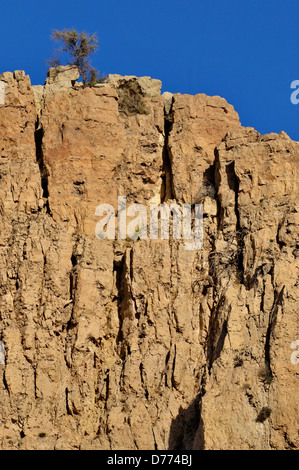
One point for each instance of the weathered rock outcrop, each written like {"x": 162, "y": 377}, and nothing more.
{"x": 122, "y": 344}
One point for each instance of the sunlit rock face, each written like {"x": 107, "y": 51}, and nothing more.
{"x": 140, "y": 343}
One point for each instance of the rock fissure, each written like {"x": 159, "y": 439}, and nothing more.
{"x": 38, "y": 137}
{"x": 167, "y": 180}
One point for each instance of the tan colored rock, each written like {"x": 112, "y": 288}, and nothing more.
{"x": 20, "y": 175}
{"x": 38, "y": 91}
{"x": 150, "y": 87}
{"x": 63, "y": 76}
{"x": 121, "y": 344}
{"x": 257, "y": 189}
{"x": 104, "y": 153}
{"x": 200, "y": 122}
{"x": 168, "y": 100}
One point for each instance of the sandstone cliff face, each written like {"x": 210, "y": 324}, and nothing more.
{"x": 121, "y": 344}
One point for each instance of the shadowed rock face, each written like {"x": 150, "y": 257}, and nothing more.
{"x": 121, "y": 344}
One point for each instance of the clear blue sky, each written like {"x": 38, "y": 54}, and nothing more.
{"x": 244, "y": 51}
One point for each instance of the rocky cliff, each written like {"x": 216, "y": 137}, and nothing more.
{"x": 141, "y": 344}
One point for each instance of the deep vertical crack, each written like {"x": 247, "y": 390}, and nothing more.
{"x": 73, "y": 280}
{"x": 38, "y": 136}
{"x": 167, "y": 191}
{"x": 118, "y": 268}
{"x": 272, "y": 322}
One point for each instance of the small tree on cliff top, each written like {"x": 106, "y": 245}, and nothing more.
{"x": 79, "y": 47}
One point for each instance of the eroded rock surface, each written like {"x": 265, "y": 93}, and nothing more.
{"x": 121, "y": 344}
